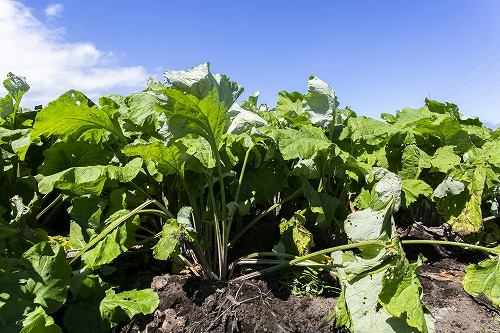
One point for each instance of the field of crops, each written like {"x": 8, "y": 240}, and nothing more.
{"x": 182, "y": 174}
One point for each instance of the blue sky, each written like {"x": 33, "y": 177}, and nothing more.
{"x": 378, "y": 56}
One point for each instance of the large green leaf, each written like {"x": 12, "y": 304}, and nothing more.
{"x": 137, "y": 111}
{"x": 187, "y": 114}
{"x": 49, "y": 275}
{"x": 401, "y": 295}
{"x": 40, "y": 278}
{"x": 130, "y": 302}
{"x": 370, "y": 131}
{"x": 97, "y": 308}
{"x": 304, "y": 143}
{"x": 463, "y": 210}
{"x": 16, "y": 86}
{"x": 114, "y": 243}
{"x": 241, "y": 120}
{"x": 413, "y": 188}
{"x": 445, "y": 160}
{"x": 169, "y": 159}
{"x": 320, "y": 103}
{"x": 89, "y": 179}
{"x": 21, "y": 316}
{"x": 359, "y": 308}
{"x": 447, "y": 129}
{"x": 75, "y": 116}
{"x": 66, "y": 154}
{"x": 484, "y": 278}
{"x": 200, "y": 82}
{"x": 413, "y": 161}
{"x": 369, "y": 224}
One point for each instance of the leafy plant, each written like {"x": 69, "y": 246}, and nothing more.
{"x": 182, "y": 173}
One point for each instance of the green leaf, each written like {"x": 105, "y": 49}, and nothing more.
{"x": 370, "y": 259}
{"x": 445, "y": 160}
{"x": 75, "y": 116}
{"x": 168, "y": 245}
{"x": 447, "y": 129}
{"x": 82, "y": 314}
{"x": 89, "y": 179}
{"x": 49, "y": 275}
{"x": 484, "y": 278}
{"x": 413, "y": 188}
{"x": 463, "y": 211}
{"x": 401, "y": 295}
{"x": 16, "y": 86}
{"x": 322, "y": 204}
{"x": 388, "y": 187}
{"x": 187, "y": 114}
{"x": 370, "y": 131}
{"x": 131, "y": 302}
{"x": 295, "y": 238}
{"x": 66, "y": 154}
{"x": 289, "y": 107}
{"x": 168, "y": 158}
{"x": 114, "y": 243}
{"x": 241, "y": 121}
{"x": 304, "y": 143}
{"x": 40, "y": 277}
{"x": 97, "y": 308}
{"x": 362, "y": 307}
{"x": 320, "y": 103}
{"x": 449, "y": 186}
{"x": 263, "y": 183}
{"x": 369, "y": 224}
{"x": 413, "y": 161}
{"x": 23, "y": 317}
{"x": 137, "y": 111}
{"x": 199, "y": 81}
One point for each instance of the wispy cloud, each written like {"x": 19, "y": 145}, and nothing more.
{"x": 51, "y": 64}
{"x": 54, "y": 10}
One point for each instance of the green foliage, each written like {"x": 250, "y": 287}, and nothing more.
{"x": 182, "y": 171}
{"x": 484, "y": 278}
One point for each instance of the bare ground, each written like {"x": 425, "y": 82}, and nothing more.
{"x": 194, "y": 305}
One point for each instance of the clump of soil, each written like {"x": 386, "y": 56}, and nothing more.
{"x": 193, "y": 305}
{"x": 196, "y": 305}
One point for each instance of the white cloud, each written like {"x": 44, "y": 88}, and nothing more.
{"x": 54, "y": 10}
{"x": 52, "y": 65}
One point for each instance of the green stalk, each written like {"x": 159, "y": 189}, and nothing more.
{"x": 59, "y": 197}
{"x": 494, "y": 251}
{"x": 154, "y": 212}
{"x": 218, "y": 235}
{"x": 240, "y": 181}
{"x": 261, "y": 215}
{"x": 307, "y": 257}
{"x": 225, "y": 232}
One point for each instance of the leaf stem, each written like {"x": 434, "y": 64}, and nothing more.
{"x": 59, "y": 197}
{"x": 306, "y": 257}
{"x": 494, "y": 251}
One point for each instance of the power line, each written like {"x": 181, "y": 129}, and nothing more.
{"x": 475, "y": 77}
{"x": 470, "y": 70}
{"x": 484, "y": 92}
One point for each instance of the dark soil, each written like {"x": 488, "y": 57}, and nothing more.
{"x": 454, "y": 310}
{"x": 194, "y": 305}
